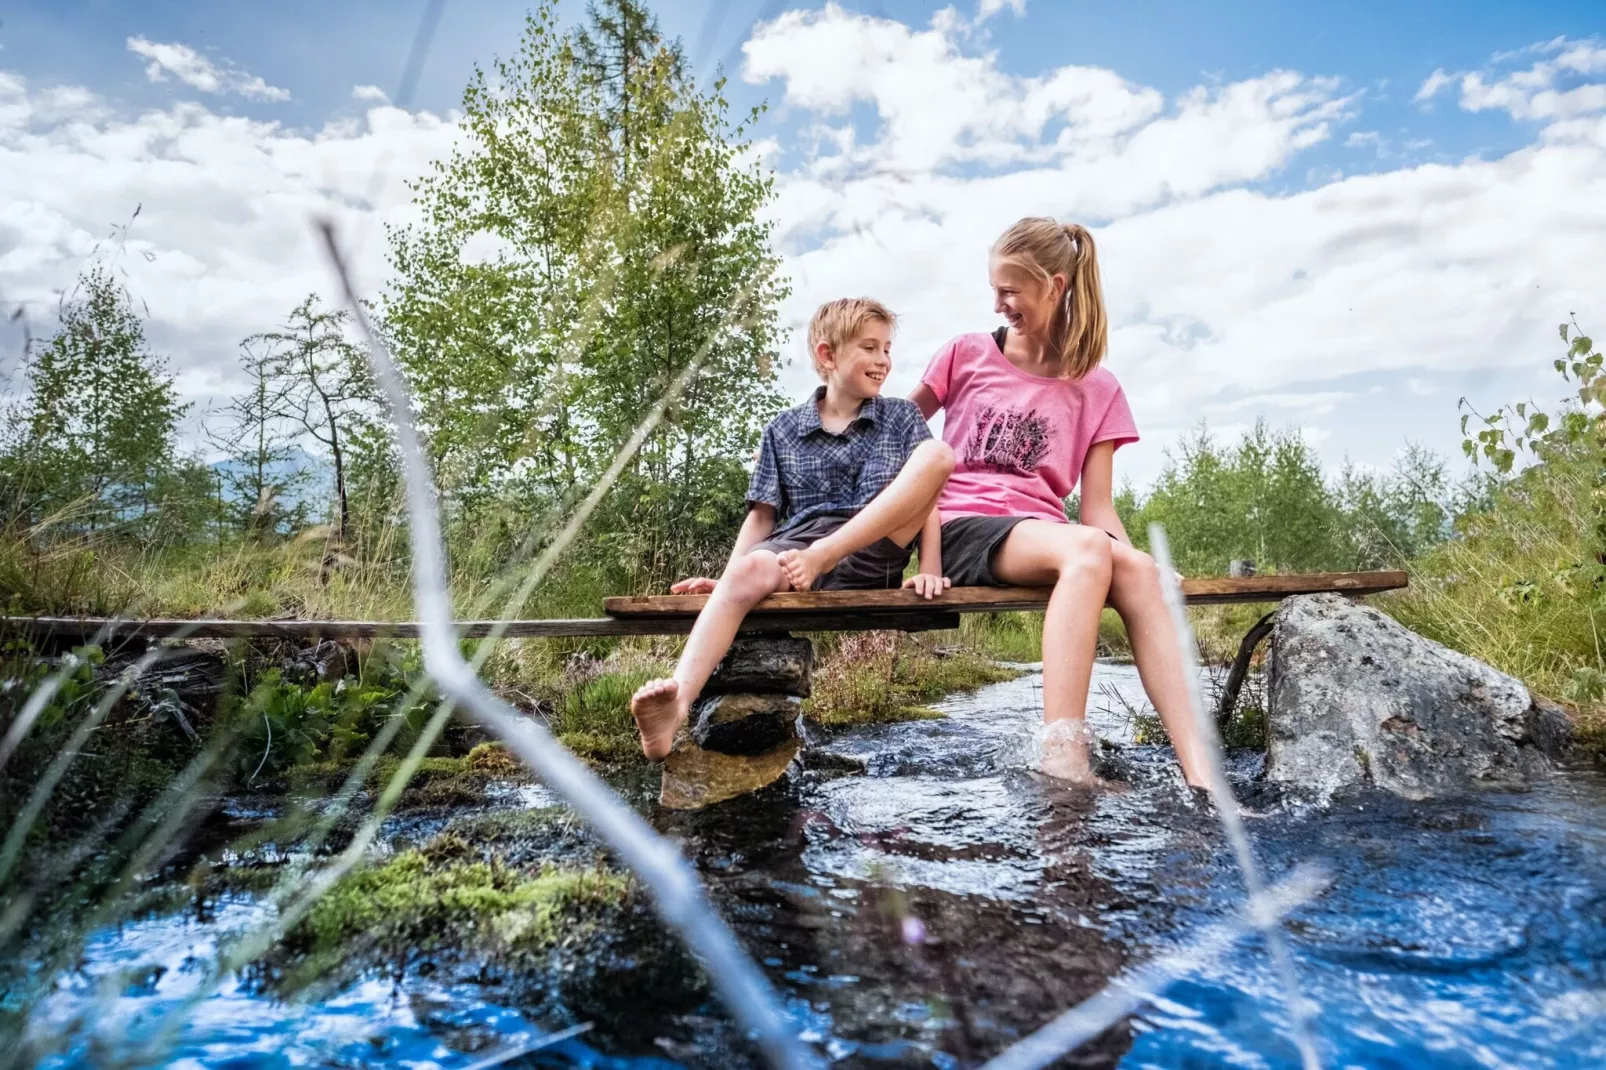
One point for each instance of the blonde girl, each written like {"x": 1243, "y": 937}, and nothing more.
{"x": 1030, "y": 413}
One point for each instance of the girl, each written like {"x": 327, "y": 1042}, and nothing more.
{"x": 1029, "y": 410}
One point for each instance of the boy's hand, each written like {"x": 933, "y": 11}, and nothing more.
{"x": 928, "y": 584}
{"x": 694, "y": 585}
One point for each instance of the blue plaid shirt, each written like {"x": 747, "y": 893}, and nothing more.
{"x": 805, "y": 471}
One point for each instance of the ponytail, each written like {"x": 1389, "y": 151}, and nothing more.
{"x": 1047, "y": 248}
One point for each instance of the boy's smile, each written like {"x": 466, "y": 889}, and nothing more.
{"x": 859, "y": 367}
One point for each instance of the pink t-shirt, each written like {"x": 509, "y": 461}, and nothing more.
{"x": 1019, "y": 439}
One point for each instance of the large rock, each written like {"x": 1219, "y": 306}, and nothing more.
{"x": 1357, "y": 698}
{"x": 744, "y": 732}
{"x": 779, "y": 665}
{"x": 744, "y": 724}
{"x": 694, "y": 778}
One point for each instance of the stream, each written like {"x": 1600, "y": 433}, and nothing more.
{"x": 921, "y": 898}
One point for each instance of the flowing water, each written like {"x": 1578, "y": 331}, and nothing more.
{"x": 922, "y": 899}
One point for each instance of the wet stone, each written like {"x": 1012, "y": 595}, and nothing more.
{"x": 744, "y": 724}
{"x": 770, "y": 665}
{"x": 1356, "y": 698}
{"x": 694, "y": 778}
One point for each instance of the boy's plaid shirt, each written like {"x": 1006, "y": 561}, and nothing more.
{"x": 805, "y": 471}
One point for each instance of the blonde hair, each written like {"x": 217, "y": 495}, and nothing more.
{"x": 1047, "y": 248}
{"x": 839, "y": 322}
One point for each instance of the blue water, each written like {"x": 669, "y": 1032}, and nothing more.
{"x": 1468, "y": 933}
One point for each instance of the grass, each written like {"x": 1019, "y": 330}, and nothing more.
{"x": 1521, "y": 590}
{"x": 882, "y": 677}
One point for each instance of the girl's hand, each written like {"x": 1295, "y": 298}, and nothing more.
{"x": 694, "y": 585}
{"x": 928, "y": 585}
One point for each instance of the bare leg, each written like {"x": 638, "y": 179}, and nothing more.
{"x": 1076, "y": 561}
{"x": 1135, "y": 593}
{"x": 897, "y": 513}
{"x": 660, "y": 706}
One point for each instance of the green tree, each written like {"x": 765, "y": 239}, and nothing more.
{"x": 1391, "y": 518}
{"x": 93, "y": 438}
{"x": 258, "y": 440}
{"x": 321, "y": 383}
{"x": 621, "y": 217}
{"x": 1264, "y": 499}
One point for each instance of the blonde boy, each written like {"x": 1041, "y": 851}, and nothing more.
{"x": 845, "y": 484}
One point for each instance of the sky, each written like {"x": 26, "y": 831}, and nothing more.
{"x": 1341, "y": 218}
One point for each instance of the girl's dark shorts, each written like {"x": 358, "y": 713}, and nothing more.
{"x": 969, "y": 545}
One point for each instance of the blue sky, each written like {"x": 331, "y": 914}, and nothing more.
{"x": 1293, "y": 228}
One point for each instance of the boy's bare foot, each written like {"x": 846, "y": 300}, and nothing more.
{"x": 657, "y": 710}
{"x": 803, "y": 567}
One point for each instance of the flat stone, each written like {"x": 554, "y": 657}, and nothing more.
{"x": 744, "y": 724}
{"x": 767, "y": 664}
{"x": 694, "y": 778}
{"x": 1356, "y": 698}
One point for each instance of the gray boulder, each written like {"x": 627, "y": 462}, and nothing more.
{"x": 1356, "y": 698}
{"x": 744, "y": 724}
{"x": 775, "y": 665}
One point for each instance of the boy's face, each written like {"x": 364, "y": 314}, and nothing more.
{"x": 858, "y": 367}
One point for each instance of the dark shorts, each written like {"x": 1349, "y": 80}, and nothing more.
{"x": 969, "y": 545}
{"x": 877, "y": 566}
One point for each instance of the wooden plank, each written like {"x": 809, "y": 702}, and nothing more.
{"x": 84, "y": 628}
{"x": 1204, "y": 591}
{"x": 813, "y": 611}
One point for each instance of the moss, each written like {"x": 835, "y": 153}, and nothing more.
{"x": 494, "y": 758}
{"x": 883, "y": 677}
{"x": 431, "y": 899}
{"x": 606, "y": 747}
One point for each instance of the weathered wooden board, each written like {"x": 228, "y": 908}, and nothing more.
{"x": 76, "y": 628}
{"x": 810, "y": 611}
{"x": 1205, "y": 591}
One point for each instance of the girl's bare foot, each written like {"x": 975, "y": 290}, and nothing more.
{"x": 803, "y": 567}
{"x": 658, "y": 712}
{"x": 1065, "y": 752}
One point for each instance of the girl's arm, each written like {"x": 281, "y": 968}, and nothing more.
{"x": 929, "y": 582}
{"x": 926, "y": 399}
{"x": 756, "y": 528}
{"x": 1098, "y": 491}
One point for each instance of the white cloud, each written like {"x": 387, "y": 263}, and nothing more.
{"x": 1229, "y": 294}
{"x": 1220, "y": 287}
{"x": 223, "y": 244}
{"x": 198, "y": 72}
{"x": 1553, "y": 88}
{"x": 370, "y": 93}
{"x": 986, "y": 9}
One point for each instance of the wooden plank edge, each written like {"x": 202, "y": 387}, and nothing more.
{"x": 1203, "y": 591}
{"x": 86, "y": 628}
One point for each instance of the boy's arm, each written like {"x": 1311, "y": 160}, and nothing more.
{"x": 758, "y": 525}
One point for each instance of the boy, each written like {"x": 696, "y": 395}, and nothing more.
{"x": 845, "y": 482}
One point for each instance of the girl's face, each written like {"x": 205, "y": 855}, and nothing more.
{"x": 1023, "y": 299}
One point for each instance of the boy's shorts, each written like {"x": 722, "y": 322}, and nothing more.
{"x": 878, "y": 566}
{"x": 969, "y": 545}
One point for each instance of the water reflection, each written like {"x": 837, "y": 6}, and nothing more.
{"x": 947, "y": 900}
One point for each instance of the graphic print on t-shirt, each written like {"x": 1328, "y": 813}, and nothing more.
{"x": 1008, "y": 440}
